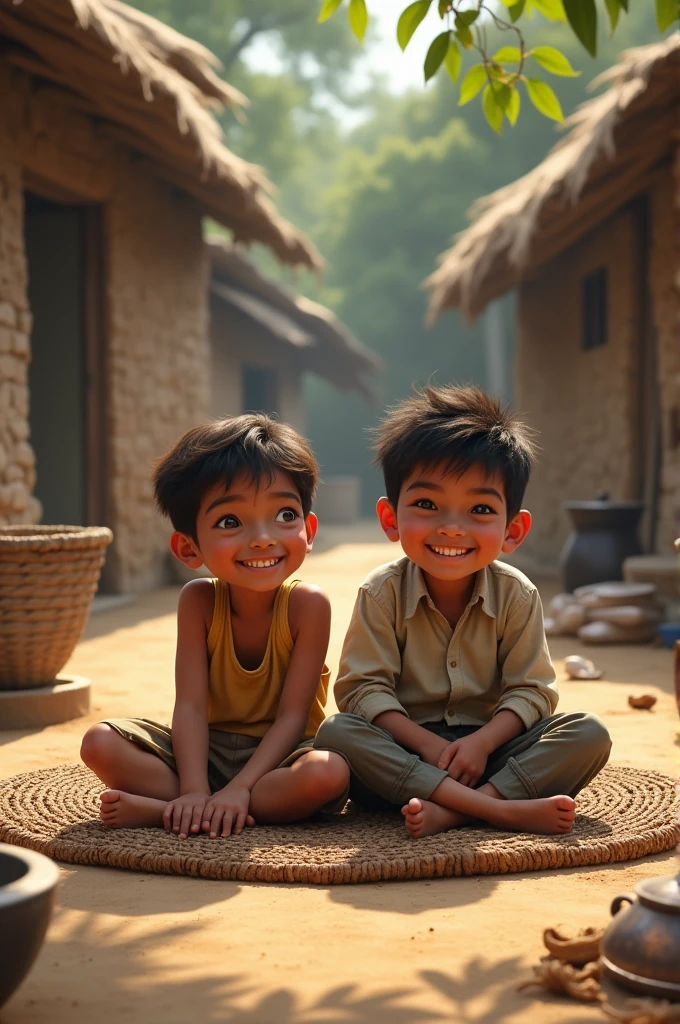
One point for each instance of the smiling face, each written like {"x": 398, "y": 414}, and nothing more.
{"x": 452, "y": 525}
{"x": 251, "y": 535}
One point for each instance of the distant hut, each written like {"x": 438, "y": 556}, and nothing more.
{"x": 591, "y": 239}
{"x": 110, "y": 158}
{"x": 264, "y": 339}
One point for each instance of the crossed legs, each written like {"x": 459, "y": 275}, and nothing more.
{"x": 141, "y": 784}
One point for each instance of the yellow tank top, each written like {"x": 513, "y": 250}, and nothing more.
{"x": 246, "y": 700}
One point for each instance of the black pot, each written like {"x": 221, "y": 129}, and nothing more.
{"x": 27, "y": 887}
{"x": 605, "y": 534}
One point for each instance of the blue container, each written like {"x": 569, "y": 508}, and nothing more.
{"x": 669, "y": 633}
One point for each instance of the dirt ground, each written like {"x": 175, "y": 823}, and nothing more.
{"x": 135, "y": 947}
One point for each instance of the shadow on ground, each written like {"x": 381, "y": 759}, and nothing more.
{"x": 119, "y": 968}
{"x": 98, "y": 890}
{"x": 417, "y": 897}
{"x": 154, "y": 605}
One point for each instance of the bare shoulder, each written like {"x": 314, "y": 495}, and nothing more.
{"x": 197, "y": 601}
{"x": 309, "y": 606}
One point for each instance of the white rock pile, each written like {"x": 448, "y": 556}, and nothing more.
{"x": 606, "y": 613}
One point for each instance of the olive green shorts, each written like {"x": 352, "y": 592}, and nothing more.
{"x": 228, "y": 752}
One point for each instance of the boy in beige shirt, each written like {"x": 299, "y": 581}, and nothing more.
{"x": 446, "y": 689}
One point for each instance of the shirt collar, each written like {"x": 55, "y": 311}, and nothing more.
{"x": 417, "y": 590}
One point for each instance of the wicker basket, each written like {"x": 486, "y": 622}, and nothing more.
{"x": 48, "y": 576}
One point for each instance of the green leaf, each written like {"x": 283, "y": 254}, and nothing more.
{"x": 493, "y": 111}
{"x": 409, "y": 20}
{"x": 503, "y": 94}
{"x": 553, "y": 10}
{"x": 472, "y": 83}
{"x": 582, "y": 16}
{"x": 516, "y": 10}
{"x": 464, "y": 36}
{"x": 613, "y": 10}
{"x": 466, "y": 18}
{"x": 444, "y": 7}
{"x": 512, "y": 109}
{"x": 666, "y": 13}
{"x": 329, "y": 8}
{"x": 453, "y": 60}
{"x": 507, "y": 55}
{"x": 358, "y": 18}
{"x": 544, "y": 99}
{"x": 436, "y": 54}
{"x": 553, "y": 61}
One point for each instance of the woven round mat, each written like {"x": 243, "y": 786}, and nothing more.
{"x": 625, "y": 814}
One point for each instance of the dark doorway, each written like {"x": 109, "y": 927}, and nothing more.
{"x": 260, "y": 389}
{"x": 63, "y": 252}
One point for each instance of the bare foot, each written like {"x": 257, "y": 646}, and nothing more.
{"x": 547, "y": 816}
{"x": 424, "y": 818}
{"x": 125, "y": 810}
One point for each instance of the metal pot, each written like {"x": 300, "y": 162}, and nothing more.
{"x": 641, "y": 947}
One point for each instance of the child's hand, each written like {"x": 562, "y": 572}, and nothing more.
{"x": 465, "y": 760}
{"x": 184, "y": 815}
{"x": 226, "y": 811}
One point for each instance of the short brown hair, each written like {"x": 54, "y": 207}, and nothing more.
{"x": 217, "y": 452}
{"x": 460, "y": 427}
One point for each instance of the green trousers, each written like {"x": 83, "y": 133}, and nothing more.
{"x": 557, "y": 755}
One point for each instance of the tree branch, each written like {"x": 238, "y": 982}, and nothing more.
{"x": 255, "y": 28}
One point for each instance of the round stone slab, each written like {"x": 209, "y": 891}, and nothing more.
{"x": 625, "y": 814}
{"x": 66, "y": 698}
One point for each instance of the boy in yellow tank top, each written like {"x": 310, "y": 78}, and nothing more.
{"x": 251, "y": 682}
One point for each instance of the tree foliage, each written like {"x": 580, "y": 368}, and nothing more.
{"x": 383, "y": 192}
{"x": 504, "y": 75}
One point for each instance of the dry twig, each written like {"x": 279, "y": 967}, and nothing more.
{"x": 645, "y": 701}
{"x": 582, "y": 949}
{"x": 557, "y": 976}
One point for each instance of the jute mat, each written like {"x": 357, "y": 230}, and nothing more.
{"x": 625, "y": 814}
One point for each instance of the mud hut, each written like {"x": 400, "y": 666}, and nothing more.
{"x": 110, "y": 158}
{"x": 264, "y": 338}
{"x": 590, "y": 239}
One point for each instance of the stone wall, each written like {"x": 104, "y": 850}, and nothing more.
{"x": 159, "y": 357}
{"x": 17, "y": 462}
{"x": 156, "y": 377}
{"x": 665, "y": 290}
{"x": 581, "y": 402}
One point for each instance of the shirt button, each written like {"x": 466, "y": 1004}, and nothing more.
{"x": 453, "y": 664}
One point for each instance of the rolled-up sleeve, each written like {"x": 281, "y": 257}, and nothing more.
{"x": 528, "y": 681}
{"x": 370, "y": 663}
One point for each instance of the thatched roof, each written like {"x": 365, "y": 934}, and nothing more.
{"x": 152, "y": 89}
{"x": 323, "y": 344}
{"x": 612, "y": 153}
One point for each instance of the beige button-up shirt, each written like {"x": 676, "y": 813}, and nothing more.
{"x": 400, "y": 653}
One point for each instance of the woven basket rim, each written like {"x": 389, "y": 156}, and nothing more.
{"x": 33, "y": 536}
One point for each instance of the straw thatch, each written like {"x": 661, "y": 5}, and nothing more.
{"x": 615, "y": 148}
{"x": 151, "y": 89}
{"x": 323, "y": 344}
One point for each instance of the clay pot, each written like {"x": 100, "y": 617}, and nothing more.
{"x": 641, "y": 947}
{"x": 27, "y": 888}
{"x": 605, "y": 534}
